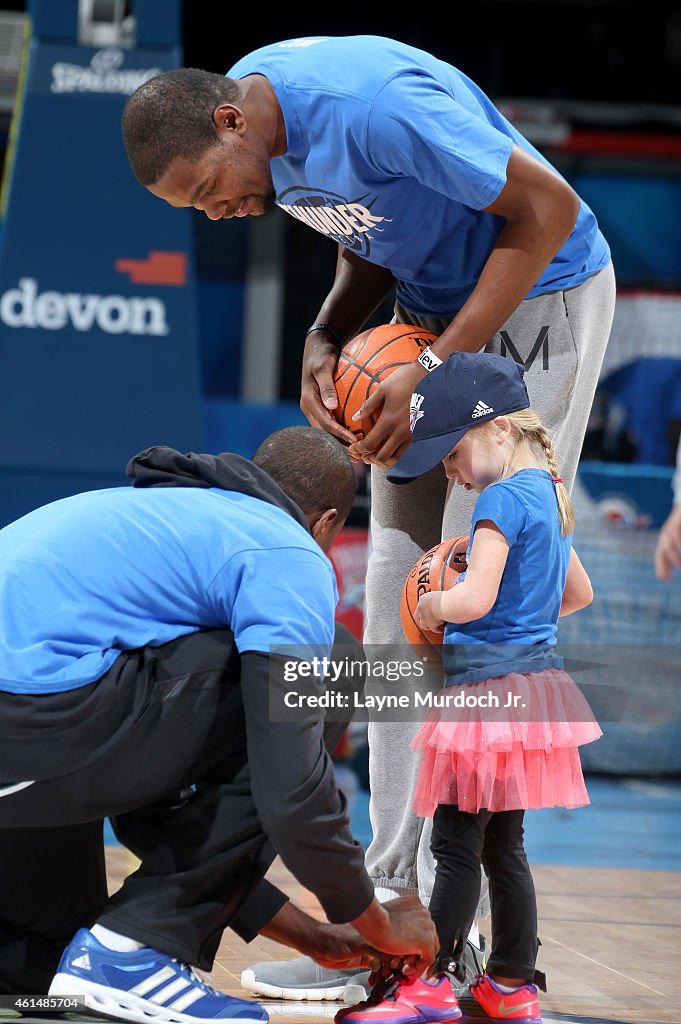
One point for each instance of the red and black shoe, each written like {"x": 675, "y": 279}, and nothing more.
{"x": 483, "y": 1002}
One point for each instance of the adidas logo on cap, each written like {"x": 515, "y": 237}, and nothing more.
{"x": 481, "y": 410}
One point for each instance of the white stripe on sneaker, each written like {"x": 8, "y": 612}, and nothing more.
{"x": 165, "y": 974}
{"x": 186, "y": 1000}
{"x": 165, "y": 994}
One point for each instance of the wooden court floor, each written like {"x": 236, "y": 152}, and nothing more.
{"x": 611, "y": 945}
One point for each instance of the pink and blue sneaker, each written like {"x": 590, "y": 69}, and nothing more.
{"x": 147, "y": 987}
{"x": 400, "y": 1000}
{"x": 484, "y": 1002}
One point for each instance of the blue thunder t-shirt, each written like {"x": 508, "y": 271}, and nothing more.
{"x": 527, "y": 608}
{"x": 90, "y": 576}
{"x": 395, "y": 155}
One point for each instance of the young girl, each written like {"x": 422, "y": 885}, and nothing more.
{"x": 513, "y": 744}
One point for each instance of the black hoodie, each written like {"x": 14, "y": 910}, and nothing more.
{"x": 165, "y": 467}
{"x": 292, "y": 777}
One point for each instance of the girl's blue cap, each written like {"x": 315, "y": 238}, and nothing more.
{"x": 468, "y": 388}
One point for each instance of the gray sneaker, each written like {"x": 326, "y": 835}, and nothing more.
{"x": 301, "y": 978}
{"x": 474, "y": 962}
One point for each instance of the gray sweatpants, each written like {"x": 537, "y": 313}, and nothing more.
{"x": 561, "y": 338}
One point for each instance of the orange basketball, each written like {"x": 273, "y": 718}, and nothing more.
{"x": 367, "y": 360}
{"x": 437, "y": 569}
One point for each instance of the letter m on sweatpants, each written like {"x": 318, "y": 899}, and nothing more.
{"x": 542, "y": 342}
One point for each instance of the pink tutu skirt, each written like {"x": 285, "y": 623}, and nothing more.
{"x": 486, "y": 754}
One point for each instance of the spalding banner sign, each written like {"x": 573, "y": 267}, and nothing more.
{"x": 98, "y": 336}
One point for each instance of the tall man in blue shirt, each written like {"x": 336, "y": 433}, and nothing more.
{"x": 145, "y": 630}
{"x": 424, "y": 185}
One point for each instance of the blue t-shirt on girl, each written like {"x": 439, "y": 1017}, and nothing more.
{"x": 526, "y": 611}
{"x": 395, "y": 155}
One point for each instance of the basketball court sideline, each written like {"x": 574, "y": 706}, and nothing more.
{"x": 609, "y": 899}
{"x": 611, "y": 939}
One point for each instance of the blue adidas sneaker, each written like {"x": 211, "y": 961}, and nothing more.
{"x": 145, "y": 986}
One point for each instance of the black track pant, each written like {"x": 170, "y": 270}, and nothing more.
{"x": 171, "y": 774}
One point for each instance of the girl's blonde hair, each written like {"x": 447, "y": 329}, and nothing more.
{"x": 529, "y": 427}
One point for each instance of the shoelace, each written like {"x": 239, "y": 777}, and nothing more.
{"x": 198, "y": 978}
{"x": 386, "y": 989}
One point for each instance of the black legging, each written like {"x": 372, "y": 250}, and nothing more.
{"x": 460, "y": 843}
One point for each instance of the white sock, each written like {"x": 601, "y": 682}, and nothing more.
{"x": 383, "y": 895}
{"x": 474, "y": 935}
{"x": 112, "y": 940}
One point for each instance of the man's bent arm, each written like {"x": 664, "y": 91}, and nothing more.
{"x": 258, "y": 909}
{"x": 540, "y": 209}
{"x": 295, "y": 793}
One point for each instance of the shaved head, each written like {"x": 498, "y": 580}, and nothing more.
{"x": 171, "y": 115}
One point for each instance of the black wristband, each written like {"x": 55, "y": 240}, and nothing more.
{"x": 329, "y": 330}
